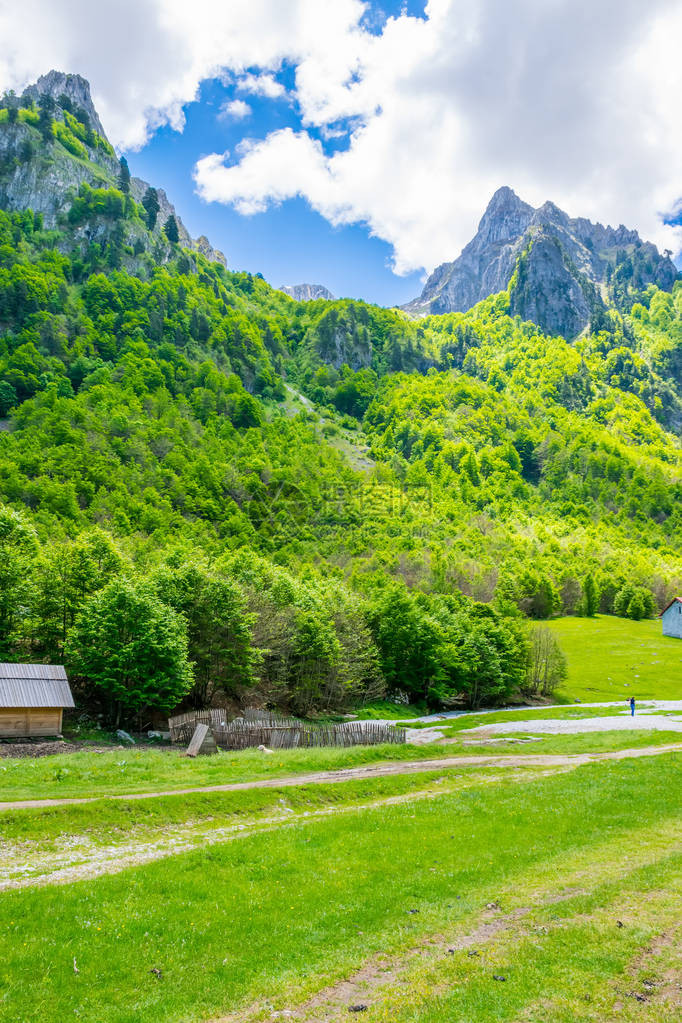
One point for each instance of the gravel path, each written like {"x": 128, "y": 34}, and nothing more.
{"x": 576, "y": 726}
{"x": 643, "y": 707}
{"x": 646, "y": 710}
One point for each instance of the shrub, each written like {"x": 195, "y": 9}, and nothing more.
{"x": 546, "y": 664}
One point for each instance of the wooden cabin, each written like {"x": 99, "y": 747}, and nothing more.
{"x": 32, "y": 699}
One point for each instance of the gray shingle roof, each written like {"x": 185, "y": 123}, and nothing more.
{"x": 34, "y": 685}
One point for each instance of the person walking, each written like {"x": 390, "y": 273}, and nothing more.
{"x": 632, "y": 706}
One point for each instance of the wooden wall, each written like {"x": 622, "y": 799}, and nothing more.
{"x": 17, "y": 721}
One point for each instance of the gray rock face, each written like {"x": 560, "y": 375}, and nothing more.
{"x": 547, "y": 292}
{"x": 39, "y": 177}
{"x": 307, "y": 292}
{"x": 203, "y": 245}
{"x": 56, "y": 84}
{"x": 565, "y": 265}
{"x": 44, "y": 176}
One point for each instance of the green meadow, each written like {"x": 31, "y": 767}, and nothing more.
{"x": 613, "y": 658}
{"x": 555, "y": 881}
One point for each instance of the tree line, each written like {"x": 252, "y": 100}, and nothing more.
{"x": 186, "y": 633}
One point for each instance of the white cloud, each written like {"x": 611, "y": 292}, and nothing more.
{"x": 261, "y": 85}
{"x": 145, "y": 59}
{"x": 574, "y": 102}
{"x": 234, "y": 110}
{"x": 560, "y": 101}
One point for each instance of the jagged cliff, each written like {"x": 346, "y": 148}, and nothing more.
{"x": 559, "y": 268}
{"x": 307, "y": 292}
{"x": 57, "y": 84}
{"x": 43, "y": 171}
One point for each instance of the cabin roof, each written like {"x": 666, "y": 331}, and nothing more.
{"x": 34, "y": 685}
{"x": 675, "y": 600}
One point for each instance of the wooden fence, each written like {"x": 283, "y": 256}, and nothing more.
{"x": 263, "y": 728}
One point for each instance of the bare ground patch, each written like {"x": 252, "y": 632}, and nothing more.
{"x": 379, "y": 973}
{"x": 656, "y": 973}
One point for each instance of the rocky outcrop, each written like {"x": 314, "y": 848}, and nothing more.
{"x": 307, "y": 292}
{"x": 44, "y": 176}
{"x": 77, "y": 90}
{"x": 203, "y": 245}
{"x": 563, "y": 265}
{"x": 548, "y": 291}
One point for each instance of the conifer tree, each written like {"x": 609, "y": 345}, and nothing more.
{"x": 170, "y": 229}
{"x": 124, "y": 176}
{"x": 150, "y": 201}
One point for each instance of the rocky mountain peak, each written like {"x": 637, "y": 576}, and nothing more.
{"x": 565, "y": 272}
{"x": 307, "y": 292}
{"x": 505, "y": 201}
{"x": 504, "y": 217}
{"x": 549, "y": 213}
{"x": 45, "y": 172}
{"x": 77, "y": 90}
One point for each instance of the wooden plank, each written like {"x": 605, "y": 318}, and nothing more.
{"x": 202, "y": 742}
{"x": 19, "y": 722}
{"x": 13, "y": 722}
{"x": 44, "y": 721}
{"x": 200, "y": 733}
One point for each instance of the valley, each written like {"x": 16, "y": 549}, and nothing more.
{"x": 461, "y": 516}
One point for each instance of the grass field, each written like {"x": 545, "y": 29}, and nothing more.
{"x": 614, "y": 658}
{"x": 376, "y": 905}
{"x": 87, "y": 775}
{"x": 148, "y": 770}
{"x": 528, "y": 890}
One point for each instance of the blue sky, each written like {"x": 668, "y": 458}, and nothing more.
{"x": 289, "y": 243}
{"x": 388, "y": 125}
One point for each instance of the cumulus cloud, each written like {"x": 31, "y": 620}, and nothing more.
{"x": 234, "y": 110}
{"x": 145, "y": 59}
{"x": 560, "y": 101}
{"x": 261, "y": 85}
{"x": 574, "y": 102}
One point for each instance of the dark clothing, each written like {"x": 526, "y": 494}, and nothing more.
{"x": 632, "y": 706}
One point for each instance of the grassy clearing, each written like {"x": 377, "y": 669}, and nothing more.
{"x": 571, "y": 963}
{"x": 387, "y": 711}
{"x": 613, "y": 659}
{"x": 291, "y": 910}
{"x": 131, "y": 771}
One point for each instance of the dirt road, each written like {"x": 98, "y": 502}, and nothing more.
{"x": 368, "y": 771}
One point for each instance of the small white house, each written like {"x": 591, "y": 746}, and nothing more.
{"x": 671, "y": 616}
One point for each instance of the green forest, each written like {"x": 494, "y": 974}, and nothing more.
{"x": 209, "y": 490}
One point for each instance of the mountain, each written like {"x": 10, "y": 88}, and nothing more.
{"x": 323, "y": 500}
{"x": 307, "y": 292}
{"x": 560, "y": 271}
{"x": 44, "y": 165}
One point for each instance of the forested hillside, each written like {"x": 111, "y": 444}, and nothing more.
{"x": 211, "y": 490}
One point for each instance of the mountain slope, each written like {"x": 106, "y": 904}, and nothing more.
{"x": 558, "y": 269}
{"x": 45, "y": 162}
{"x": 150, "y": 439}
